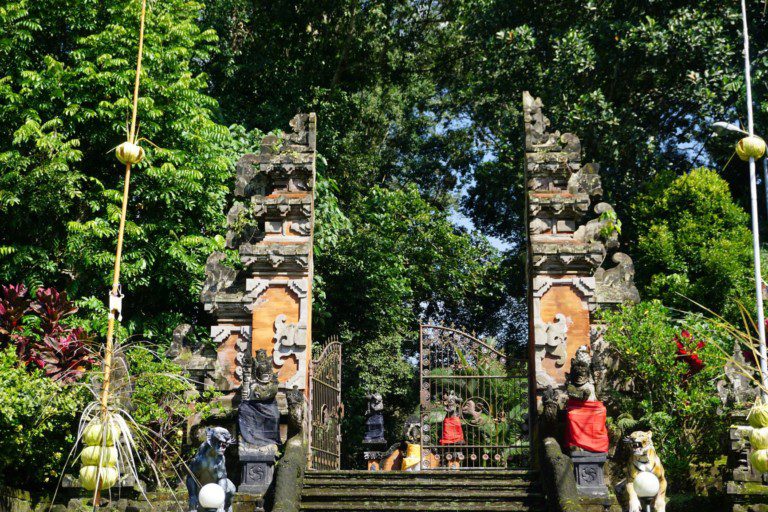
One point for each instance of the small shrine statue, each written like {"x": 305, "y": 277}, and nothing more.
{"x": 259, "y": 417}
{"x": 586, "y": 428}
{"x": 586, "y": 434}
{"x": 581, "y": 385}
{"x": 374, "y": 420}
{"x": 259, "y": 424}
{"x": 452, "y": 431}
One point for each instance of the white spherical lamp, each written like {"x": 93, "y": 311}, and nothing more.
{"x": 646, "y": 485}
{"x": 212, "y": 496}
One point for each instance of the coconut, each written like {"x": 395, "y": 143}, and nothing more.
{"x": 758, "y": 438}
{"x": 129, "y": 153}
{"x": 107, "y": 477}
{"x": 759, "y": 460}
{"x": 750, "y": 147}
{"x": 104, "y": 456}
{"x": 758, "y": 416}
{"x": 95, "y": 435}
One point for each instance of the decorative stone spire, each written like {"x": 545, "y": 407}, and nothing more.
{"x": 571, "y": 233}
{"x": 266, "y": 305}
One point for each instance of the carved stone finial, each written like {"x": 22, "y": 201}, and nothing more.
{"x": 616, "y": 285}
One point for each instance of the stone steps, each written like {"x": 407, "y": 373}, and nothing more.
{"x": 470, "y": 491}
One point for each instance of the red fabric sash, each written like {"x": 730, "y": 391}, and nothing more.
{"x": 452, "y": 432}
{"x": 586, "y": 426}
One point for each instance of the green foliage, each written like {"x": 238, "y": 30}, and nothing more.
{"x": 63, "y": 105}
{"x": 38, "y": 421}
{"x": 391, "y": 262}
{"x": 693, "y": 242}
{"x": 161, "y": 398}
{"x": 653, "y": 388}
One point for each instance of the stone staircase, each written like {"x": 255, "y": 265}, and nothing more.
{"x": 465, "y": 491}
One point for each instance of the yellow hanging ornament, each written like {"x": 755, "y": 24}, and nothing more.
{"x": 750, "y": 147}
{"x": 104, "y": 456}
{"x": 129, "y": 153}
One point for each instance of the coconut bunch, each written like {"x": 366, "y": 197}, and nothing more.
{"x": 758, "y": 438}
{"x": 111, "y": 446}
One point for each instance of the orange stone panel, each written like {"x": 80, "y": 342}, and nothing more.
{"x": 226, "y": 359}
{"x": 565, "y": 299}
{"x": 277, "y": 300}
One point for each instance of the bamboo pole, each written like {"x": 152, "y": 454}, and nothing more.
{"x": 115, "y": 291}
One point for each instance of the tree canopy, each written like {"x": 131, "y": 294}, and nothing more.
{"x": 420, "y": 129}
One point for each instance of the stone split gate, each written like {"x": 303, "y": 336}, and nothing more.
{"x": 573, "y": 269}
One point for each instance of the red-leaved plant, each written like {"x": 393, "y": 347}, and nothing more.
{"x": 14, "y": 303}
{"x": 63, "y": 353}
{"x": 687, "y": 348}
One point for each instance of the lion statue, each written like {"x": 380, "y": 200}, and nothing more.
{"x": 643, "y": 458}
{"x": 208, "y": 466}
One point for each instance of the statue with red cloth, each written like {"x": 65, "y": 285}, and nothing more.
{"x": 452, "y": 431}
{"x": 586, "y": 428}
{"x": 586, "y": 434}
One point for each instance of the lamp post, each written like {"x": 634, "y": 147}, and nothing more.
{"x": 753, "y": 196}
{"x": 753, "y": 200}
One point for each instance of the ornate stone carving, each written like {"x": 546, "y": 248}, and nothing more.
{"x": 552, "y": 338}
{"x": 616, "y": 285}
{"x": 271, "y": 228}
{"x": 569, "y": 238}
{"x": 737, "y": 389}
{"x": 302, "y": 227}
{"x": 218, "y": 278}
{"x": 600, "y": 229}
{"x": 291, "y": 340}
{"x": 586, "y": 180}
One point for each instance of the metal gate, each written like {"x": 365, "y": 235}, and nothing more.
{"x": 473, "y": 403}
{"x": 325, "y": 408}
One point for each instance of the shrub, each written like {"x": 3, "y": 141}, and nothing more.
{"x": 665, "y": 381}
{"x": 38, "y": 422}
{"x": 693, "y": 242}
{"x": 161, "y": 400}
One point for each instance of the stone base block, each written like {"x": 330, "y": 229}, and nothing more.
{"x": 258, "y": 470}
{"x": 588, "y": 468}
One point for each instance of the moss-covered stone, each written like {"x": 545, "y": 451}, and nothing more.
{"x": 289, "y": 476}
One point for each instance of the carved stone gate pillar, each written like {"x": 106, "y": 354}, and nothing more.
{"x": 570, "y": 234}
{"x": 267, "y": 303}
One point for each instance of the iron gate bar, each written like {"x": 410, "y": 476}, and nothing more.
{"x": 463, "y": 377}
{"x": 325, "y": 409}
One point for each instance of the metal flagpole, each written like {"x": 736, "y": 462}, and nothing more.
{"x": 755, "y": 227}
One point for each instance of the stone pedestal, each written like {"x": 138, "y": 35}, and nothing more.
{"x": 258, "y": 470}
{"x": 588, "y": 467}
{"x": 374, "y": 426}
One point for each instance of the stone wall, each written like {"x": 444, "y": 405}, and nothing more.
{"x": 13, "y": 500}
